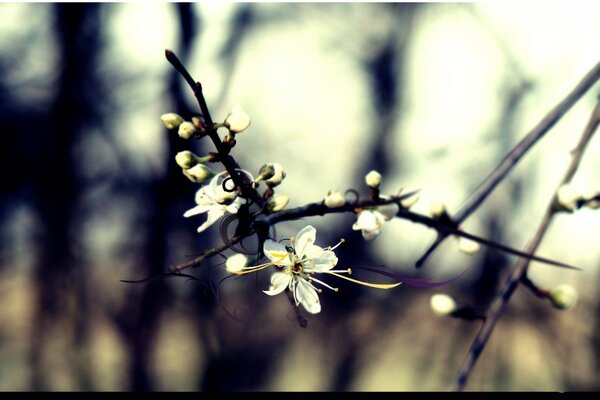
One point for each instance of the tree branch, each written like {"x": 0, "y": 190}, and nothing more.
{"x": 520, "y": 270}
{"x": 513, "y": 157}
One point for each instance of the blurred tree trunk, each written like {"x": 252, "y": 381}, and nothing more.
{"x": 386, "y": 71}
{"x": 60, "y": 282}
{"x": 141, "y": 316}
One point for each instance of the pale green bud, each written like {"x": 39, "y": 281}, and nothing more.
{"x": 442, "y": 304}
{"x": 334, "y": 199}
{"x": 437, "y": 209}
{"x": 277, "y": 203}
{"x": 271, "y": 173}
{"x": 563, "y": 296}
{"x": 373, "y": 179}
{"x": 186, "y": 159}
{"x": 171, "y": 120}
{"x": 199, "y": 173}
{"x": 468, "y": 246}
{"x": 237, "y": 120}
{"x": 186, "y": 130}
{"x": 409, "y": 201}
{"x": 236, "y": 263}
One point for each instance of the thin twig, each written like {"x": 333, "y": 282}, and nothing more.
{"x": 520, "y": 270}
{"x": 314, "y": 209}
{"x": 513, "y": 157}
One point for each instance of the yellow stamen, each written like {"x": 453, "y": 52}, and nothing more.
{"x": 255, "y": 268}
{"x": 342, "y": 240}
{"x": 373, "y": 285}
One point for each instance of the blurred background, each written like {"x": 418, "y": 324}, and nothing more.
{"x": 431, "y": 95}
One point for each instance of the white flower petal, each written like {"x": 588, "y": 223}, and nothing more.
{"x": 366, "y": 221}
{"x": 213, "y": 215}
{"x": 196, "y": 210}
{"x": 276, "y": 252}
{"x": 279, "y": 282}
{"x": 370, "y": 234}
{"x": 307, "y": 296}
{"x": 388, "y": 210}
{"x": 306, "y": 237}
{"x": 323, "y": 262}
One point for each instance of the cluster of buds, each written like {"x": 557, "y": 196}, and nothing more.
{"x": 212, "y": 198}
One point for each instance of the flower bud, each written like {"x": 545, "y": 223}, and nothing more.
{"x": 437, "y": 209}
{"x": 171, "y": 120}
{"x": 237, "y": 120}
{"x": 563, "y": 296}
{"x": 567, "y": 197}
{"x": 442, "y": 304}
{"x": 592, "y": 199}
{"x": 199, "y": 173}
{"x": 186, "y": 130}
{"x": 373, "y": 179}
{"x": 468, "y": 246}
{"x": 277, "y": 203}
{"x": 271, "y": 173}
{"x": 186, "y": 159}
{"x": 334, "y": 199}
{"x": 236, "y": 263}
{"x": 409, "y": 201}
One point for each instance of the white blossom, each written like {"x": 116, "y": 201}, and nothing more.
{"x": 297, "y": 265}
{"x": 370, "y": 221}
{"x": 215, "y": 201}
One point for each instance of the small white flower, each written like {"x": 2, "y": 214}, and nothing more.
{"x": 171, "y": 120}
{"x": 199, "y": 173}
{"x": 277, "y": 203}
{"x": 236, "y": 263}
{"x": 237, "y": 120}
{"x": 215, "y": 201}
{"x": 442, "y": 304}
{"x": 373, "y": 179}
{"x": 334, "y": 199}
{"x": 468, "y": 246}
{"x": 567, "y": 197}
{"x": 563, "y": 296}
{"x": 299, "y": 264}
{"x": 370, "y": 221}
{"x": 186, "y": 130}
